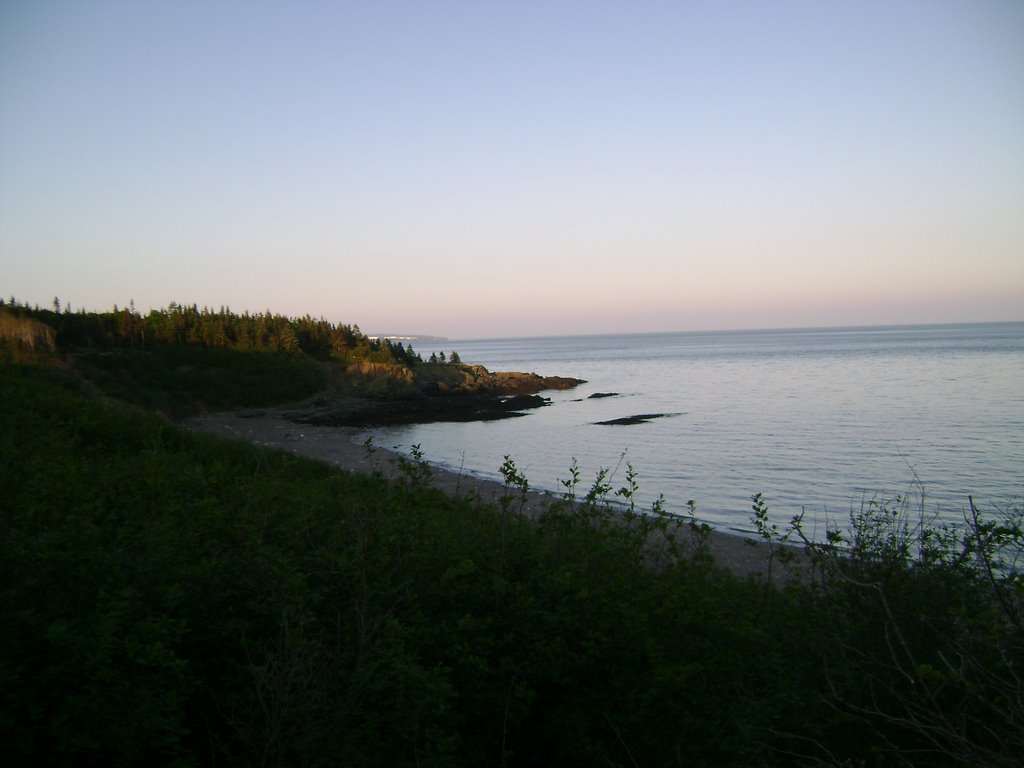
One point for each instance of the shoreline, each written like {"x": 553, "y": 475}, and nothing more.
{"x": 271, "y": 428}
{"x": 337, "y": 446}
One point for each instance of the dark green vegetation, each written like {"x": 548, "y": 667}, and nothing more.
{"x": 179, "y": 325}
{"x": 183, "y": 360}
{"x": 170, "y": 598}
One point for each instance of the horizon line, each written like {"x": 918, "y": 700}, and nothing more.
{"x": 774, "y": 329}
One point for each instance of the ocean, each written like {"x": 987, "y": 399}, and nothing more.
{"x": 822, "y": 421}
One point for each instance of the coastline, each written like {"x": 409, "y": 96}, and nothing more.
{"x": 337, "y": 446}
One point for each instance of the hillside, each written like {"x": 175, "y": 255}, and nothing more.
{"x": 185, "y": 360}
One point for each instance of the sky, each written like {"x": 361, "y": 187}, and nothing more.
{"x": 489, "y": 169}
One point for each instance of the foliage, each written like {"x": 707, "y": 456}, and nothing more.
{"x": 180, "y": 379}
{"x": 179, "y": 325}
{"x": 172, "y": 598}
{"x": 924, "y": 628}
{"x": 183, "y": 360}
{"x": 415, "y": 472}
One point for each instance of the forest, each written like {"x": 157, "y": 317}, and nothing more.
{"x": 177, "y": 324}
{"x": 172, "y": 598}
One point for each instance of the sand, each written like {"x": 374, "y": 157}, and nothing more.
{"x": 338, "y": 446}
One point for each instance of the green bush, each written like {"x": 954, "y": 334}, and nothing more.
{"x": 179, "y": 380}
{"x": 172, "y": 598}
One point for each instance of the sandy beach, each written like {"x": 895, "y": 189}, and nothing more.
{"x": 338, "y": 446}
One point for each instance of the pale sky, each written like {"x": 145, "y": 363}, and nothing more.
{"x": 474, "y": 169}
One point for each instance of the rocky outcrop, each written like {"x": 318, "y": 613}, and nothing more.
{"x": 511, "y": 383}
{"x": 377, "y": 394}
{"x": 475, "y": 379}
{"x": 355, "y": 412}
{"x": 369, "y": 370}
{"x": 640, "y": 418}
{"x": 26, "y": 333}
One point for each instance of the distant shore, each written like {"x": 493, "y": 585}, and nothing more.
{"x": 337, "y": 446}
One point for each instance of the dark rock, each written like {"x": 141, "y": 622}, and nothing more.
{"x": 641, "y": 418}
{"x": 521, "y": 402}
{"x": 514, "y": 383}
{"x": 598, "y": 395}
{"x": 354, "y": 412}
{"x": 371, "y": 394}
{"x": 475, "y": 379}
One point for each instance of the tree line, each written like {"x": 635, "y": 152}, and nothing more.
{"x": 181, "y": 324}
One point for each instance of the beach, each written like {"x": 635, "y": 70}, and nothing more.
{"x": 337, "y": 446}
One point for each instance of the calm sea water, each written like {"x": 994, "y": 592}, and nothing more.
{"x": 822, "y": 420}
